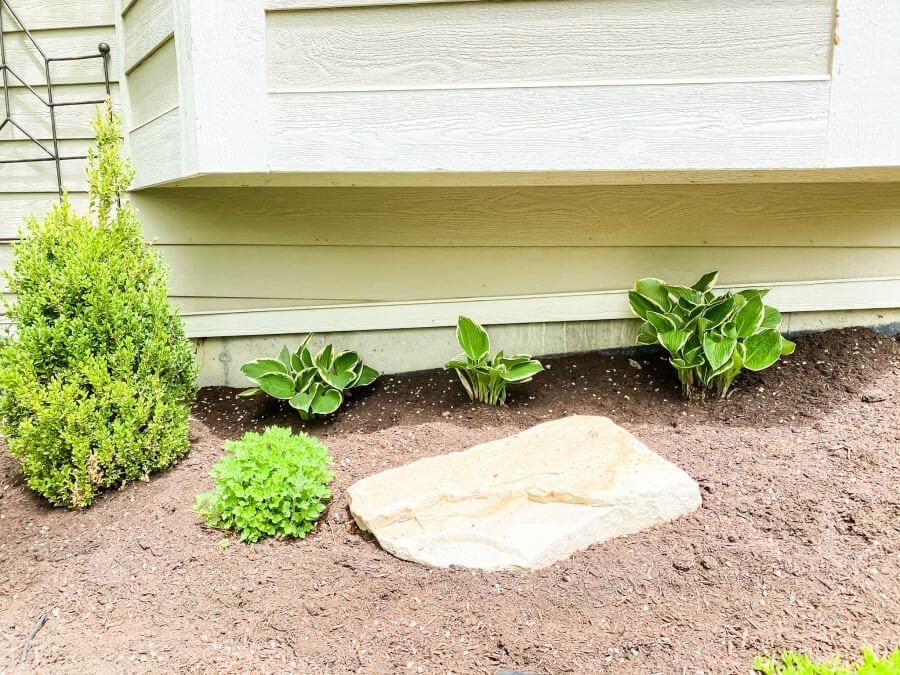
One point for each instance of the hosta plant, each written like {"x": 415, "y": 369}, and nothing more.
{"x": 313, "y": 384}
{"x": 710, "y": 338}
{"x": 272, "y": 484}
{"x": 484, "y": 378}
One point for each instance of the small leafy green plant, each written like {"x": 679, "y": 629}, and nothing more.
{"x": 484, "y": 378}
{"x": 792, "y": 663}
{"x": 96, "y": 377}
{"x": 710, "y": 338}
{"x": 313, "y": 385}
{"x": 268, "y": 485}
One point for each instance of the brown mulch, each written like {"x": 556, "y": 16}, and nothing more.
{"x": 797, "y": 544}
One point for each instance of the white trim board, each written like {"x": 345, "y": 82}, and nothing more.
{"x": 843, "y": 294}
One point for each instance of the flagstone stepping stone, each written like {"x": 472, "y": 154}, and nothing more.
{"x": 525, "y": 501}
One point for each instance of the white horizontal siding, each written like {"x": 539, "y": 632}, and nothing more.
{"x": 146, "y": 25}
{"x": 153, "y": 86}
{"x": 491, "y": 44}
{"x": 157, "y": 149}
{"x": 26, "y": 62}
{"x": 50, "y": 14}
{"x": 681, "y": 126}
{"x": 71, "y": 121}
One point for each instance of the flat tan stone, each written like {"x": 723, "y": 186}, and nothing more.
{"x": 525, "y": 501}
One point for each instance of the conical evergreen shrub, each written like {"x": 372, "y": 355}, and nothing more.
{"x": 96, "y": 375}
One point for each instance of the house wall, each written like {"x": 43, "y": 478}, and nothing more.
{"x": 387, "y": 266}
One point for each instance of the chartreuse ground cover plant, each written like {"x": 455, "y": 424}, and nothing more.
{"x": 96, "y": 376}
{"x": 484, "y": 378}
{"x": 792, "y": 663}
{"x": 272, "y": 484}
{"x": 313, "y": 384}
{"x": 710, "y": 338}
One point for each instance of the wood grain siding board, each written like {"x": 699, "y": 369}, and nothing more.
{"x": 394, "y": 274}
{"x": 797, "y": 297}
{"x": 864, "y": 127}
{"x": 153, "y": 85}
{"x": 155, "y": 149}
{"x": 41, "y": 176}
{"x": 146, "y": 25}
{"x": 820, "y": 215}
{"x": 545, "y": 41}
{"x": 71, "y": 121}
{"x": 26, "y": 62}
{"x": 14, "y": 207}
{"x": 724, "y": 126}
{"x": 60, "y": 14}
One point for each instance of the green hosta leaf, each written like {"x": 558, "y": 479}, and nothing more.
{"x": 720, "y": 311}
{"x": 763, "y": 349}
{"x": 787, "y": 347}
{"x": 297, "y": 363}
{"x": 253, "y": 391}
{"x": 461, "y": 362}
{"x": 367, "y": 376}
{"x": 655, "y": 291}
{"x": 303, "y": 378}
{"x": 647, "y": 334}
{"x": 262, "y": 366}
{"x": 674, "y": 340}
{"x": 693, "y": 357}
{"x": 641, "y": 305}
{"x": 717, "y": 350}
{"x": 327, "y": 401}
{"x": 706, "y": 282}
{"x": 688, "y": 298}
{"x": 277, "y": 385}
{"x": 661, "y": 322}
{"x": 772, "y": 317}
{"x": 346, "y": 361}
{"x": 749, "y": 318}
{"x": 324, "y": 360}
{"x": 749, "y": 293}
{"x": 473, "y": 339}
{"x": 285, "y": 357}
{"x": 339, "y": 380}
{"x": 302, "y": 401}
{"x": 522, "y": 372}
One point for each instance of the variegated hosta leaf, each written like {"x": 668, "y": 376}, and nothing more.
{"x": 262, "y": 366}
{"x": 277, "y": 385}
{"x": 763, "y": 349}
{"x": 647, "y": 334}
{"x": 717, "y": 350}
{"x": 252, "y": 391}
{"x": 285, "y": 357}
{"x": 772, "y": 317}
{"x": 338, "y": 380}
{"x": 327, "y": 401}
{"x": 749, "y": 317}
{"x": 522, "y": 372}
{"x": 674, "y": 340}
{"x": 346, "y": 361}
{"x": 473, "y": 339}
{"x": 706, "y": 282}
{"x": 662, "y": 322}
{"x": 655, "y": 291}
{"x": 325, "y": 358}
{"x": 366, "y": 377}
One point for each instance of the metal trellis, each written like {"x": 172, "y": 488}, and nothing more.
{"x": 11, "y": 78}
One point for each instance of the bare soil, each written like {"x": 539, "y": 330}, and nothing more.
{"x": 797, "y": 544}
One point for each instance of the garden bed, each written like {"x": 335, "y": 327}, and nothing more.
{"x": 797, "y": 543}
